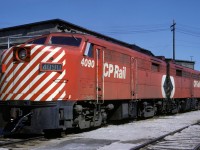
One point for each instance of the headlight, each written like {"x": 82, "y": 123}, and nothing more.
{"x": 22, "y": 54}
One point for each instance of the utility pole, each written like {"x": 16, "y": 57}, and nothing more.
{"x": 191, "y": 57}
{"x": 173, "y": 30}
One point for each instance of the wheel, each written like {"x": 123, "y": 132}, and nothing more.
{"x": 53, "y": 133}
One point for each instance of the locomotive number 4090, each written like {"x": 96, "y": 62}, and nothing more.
{"x": 51, "y": 67}
{"x": 87, "y": 63}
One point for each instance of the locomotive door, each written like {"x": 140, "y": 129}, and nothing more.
{"x": 133, "y": 78}
{"x": 192, "y": 87}
{"x": 99, "y": 67}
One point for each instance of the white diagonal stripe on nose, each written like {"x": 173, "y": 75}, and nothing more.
{"x": 5, "y": 55}
{"x": 49, "y": 88}
{"x": 50, "y": 98}
{"x": 36, "y": 69}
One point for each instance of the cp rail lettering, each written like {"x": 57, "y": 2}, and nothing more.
{"x": 115, "y": 70}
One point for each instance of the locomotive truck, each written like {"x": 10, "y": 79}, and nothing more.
{"x": 60, "y": 81}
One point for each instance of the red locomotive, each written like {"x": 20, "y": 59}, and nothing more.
{"x": 69, "y": 80}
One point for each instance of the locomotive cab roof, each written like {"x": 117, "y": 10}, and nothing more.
{"x": 64, "y": 39}
{"x": 75, "y": 39}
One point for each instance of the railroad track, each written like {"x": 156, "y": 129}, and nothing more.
{"x": 14, "y": 141}
{"x": 26, "y": 141}
{"x": 186, "y": 138}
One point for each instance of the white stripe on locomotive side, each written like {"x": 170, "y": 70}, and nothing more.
{"x": 40, "y": 53}
{"x": 35, "y": 48}
{"x": 3, "y": 95}
{"x": 60, "y": 88}
{"x": 49, "y": 88}
{"x": 11, "y": 75}
{"x": 59, "y": 57}
{"x": 9, "y": 78}
{"x": 9, "y": 58}
{"x": 9, "y": 96}
{"x": 37, "y": 67}
{"x": 43, "y": 83}
{"x": 27, "y": 67}
{"x": 32, "y": 72}
{"x": 18, "y": 96}
{"x": 63, "y": 95}
{"x": 19, "y": 76}
{"x": 29, "y": 95}
{"x": 5, "y": 55}
{"x": 27, "y": 45}
{"x": 10, "y": 67}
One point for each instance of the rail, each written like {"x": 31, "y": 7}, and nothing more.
{"x": 153, "y": 141}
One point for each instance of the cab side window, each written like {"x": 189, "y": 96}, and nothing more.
{"x": 155, "y": 67}
{"x": 179, "y": 73}
{"x": 89, "y": 50}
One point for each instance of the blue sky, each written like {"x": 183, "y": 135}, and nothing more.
{"x": 142, "y": 22}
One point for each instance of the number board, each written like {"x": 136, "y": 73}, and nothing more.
{"x": 56, "y": 67}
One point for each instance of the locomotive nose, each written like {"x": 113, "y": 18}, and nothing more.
{"x": 32, "y": 71}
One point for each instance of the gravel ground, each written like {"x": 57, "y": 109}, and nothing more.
{"x": 116, "y": 137}
{"x": 125, "y": 136}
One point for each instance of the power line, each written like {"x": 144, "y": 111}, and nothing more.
{"x": 188, "y": 33}
{"x": 188, "y": 26}
{"x": 130, "y": 29}
{"x": 131, "y": 26}
{"x": 188, "y": 30}
{"x": 145, "y": 29}
{"x": 136, "y": 31}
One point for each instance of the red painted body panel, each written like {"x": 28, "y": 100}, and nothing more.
{"x": 185, "y": 79}
{"x": 113, "y": 72}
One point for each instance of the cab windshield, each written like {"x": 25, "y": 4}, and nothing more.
{"x": 64, "y": 40}
{"x": 38, "y": 40}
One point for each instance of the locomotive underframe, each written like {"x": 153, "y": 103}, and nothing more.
{"x": 36, "y": 117}
{"x": 39, "y": 117}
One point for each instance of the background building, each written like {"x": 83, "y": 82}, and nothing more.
{"x": 188, "y": 64}
{"x": 19, "y": 34}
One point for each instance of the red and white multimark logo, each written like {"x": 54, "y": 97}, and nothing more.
{"x": 196, "y": 84}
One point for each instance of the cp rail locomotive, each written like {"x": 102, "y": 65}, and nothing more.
{"x": 60, "y": 81}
